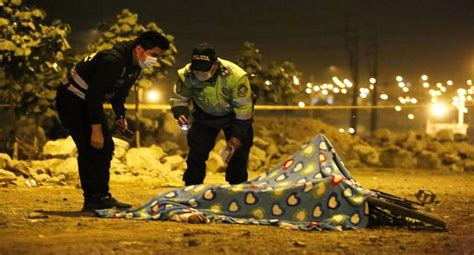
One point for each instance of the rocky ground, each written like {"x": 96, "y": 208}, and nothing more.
{"x": 57, "y": 228}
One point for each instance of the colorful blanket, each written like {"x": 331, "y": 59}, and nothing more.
{"x": 312, "y": 190}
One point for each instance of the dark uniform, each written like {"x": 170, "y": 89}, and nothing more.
{"x": 104, "y": 76}
{"x": 223, "y": 102}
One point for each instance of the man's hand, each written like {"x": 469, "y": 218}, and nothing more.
{"x": 97, "y": 138}
{"x": 121, "y": 123}
{"x": 182, "y": 120}
{"x": 235, "y": 142}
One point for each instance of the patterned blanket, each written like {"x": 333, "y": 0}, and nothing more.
{"x": 311, "y": 190}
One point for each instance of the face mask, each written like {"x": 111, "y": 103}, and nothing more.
{"x": 148, "y": 62}
{"x": 202, "y": 76}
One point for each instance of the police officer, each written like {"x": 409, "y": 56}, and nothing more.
{"x": 222, "y": 100}
{"x": 106, "y": 75}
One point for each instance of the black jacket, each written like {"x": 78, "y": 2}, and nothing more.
{"x": 109, "y": 75}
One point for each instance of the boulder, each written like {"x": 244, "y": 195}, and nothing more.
{"x": 445, "y": 135}
{"x": 19, "y": 168}
{"x": 428, "y": 160}
{"x": 367, "y": 154}
{"x": 469, "y": 166}
{"x": 117, "y": 167}
{"x": 215, "y": 163}
{"x": 460, "y": 137}
{"x": 5, "y": 160}
{"x": 451, "y": 158}
{"x": 169, "y": 147}
{"x": 396, "y": 157}
{"x": 144, "y": 157}
{"x": 465, "y": 150}
{"x": 176, "y": 161}
{"x": 384, "y": 137}
{"x": 258, "y": 153}
{"x": 69, "y": 168}
{"x": 60, "y": 148}
{"x": 261, "y": 143}
{"x": 121, "y": 147}
{"x": 7, "y": 175}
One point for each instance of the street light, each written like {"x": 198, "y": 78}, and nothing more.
{"x": 439, "y": 109}
{"x": 153, "y": 96}
{"x": 424, "y": 77}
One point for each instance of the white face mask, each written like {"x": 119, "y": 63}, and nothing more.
{"x": 148, "y": 62}
{"x": 202, "y": 76}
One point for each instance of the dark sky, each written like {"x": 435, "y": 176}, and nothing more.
{"x": 415, "y": 36}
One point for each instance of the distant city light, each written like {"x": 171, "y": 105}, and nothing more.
{"x": 316, "y": 88}
{"x": 336, "y": 90}
{"x": 401, "y": 84}
{"x": 372, "y": 80}
{"x": 411, "y": 116}
{"x": 399, "y": 78}
{"x": 309, "y": 85}
{"x": 301, "y": 104}
{"x": 55, "y": 65}
{"x": 268, "y": 83}
{"x": 384, "y": 96}
{"x": 426, "y": 85}
{"x": 398, "y": 108}
{"x": 439, "y": 109}
{"x": 343, "y": 91}
{"x": 351, "y": 130}
{"x": 348, "y": 83}
{"x": 324, "y": 92}
{"x": 341, "y": 130}
{"x": 371, "y": 86}
{"x": 424, "y": 77}
{"x": 450, "y": 83}
{"x": 406, "y": 89}
{"x": 413, "y": 100}
{"x": 296, "y": 80}
{"x": 308, "y": 91}
{"x": 469, "y": 82}
{"x": 153, "y": 96}
{"x": 443, "y": 89}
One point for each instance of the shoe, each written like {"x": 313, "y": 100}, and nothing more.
{"x": 105, "y": 202}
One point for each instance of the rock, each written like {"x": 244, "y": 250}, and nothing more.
{"x": 258, "y": 153}
{"x": 60, "y": 148}
{"x": 261, "y": 143}
{"x": 255, "y": 163}
{"x": 169, "y": 147}
{"x": 299, "y": 244}
{"x": 42, "y": 177}
{"x": 5, "y": 160}
{"x": 460, "y": 137}
{"x": 144, "y": 158}
{"x": 19, "y": 168}
{"x": 7, "y": 175}
{"x": 117, "y": 167}
{"x": 448, "y": 159}
{"x": 384, "y": 136}
{"x": 465, "y": 150}
{"x": 397, "y": 158}
{"x": 215, "y": 163}
{"x": 445, "y": 135}
{"x": 428, "y": 160}
{"x": 469, "y": 166}
{"x": 273, "y": 151}
{"x": 121, "y": 147}
{"x": 45, "y": 166}
{"x": 367, "y": 154}
{"x": 69, "y": 168}
{"x": 37, "y": 215}
{"x": 176, "y": 162}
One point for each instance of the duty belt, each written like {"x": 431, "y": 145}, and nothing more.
{"x": 75, "y": 84}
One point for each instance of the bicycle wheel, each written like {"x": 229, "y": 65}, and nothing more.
{"x": 399, "y": 210}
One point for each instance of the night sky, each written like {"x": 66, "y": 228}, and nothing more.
{"x": 415, "y": 36}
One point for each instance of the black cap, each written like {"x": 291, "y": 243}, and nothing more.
{"x": 204, "y": 56}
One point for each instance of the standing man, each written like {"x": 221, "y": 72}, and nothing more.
{"x": 222, "y": 100}
{"x": 103, "y": 76}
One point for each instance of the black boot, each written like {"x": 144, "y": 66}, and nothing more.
{"x": 104, "y": 202}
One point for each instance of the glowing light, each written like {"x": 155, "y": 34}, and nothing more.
{"x": 413, "y": 100}
{"x": 316, "y": 88}
{"x": 371, "y": 86}
{"x": 398, "y": 108}
{"x": 325, "y": 92}
{"x": 439, "y": 109}
{"x": 424, "y": 77}
{"x": 268, "y": 83}
{"x": 469, "y": 82}
{"x": 351, "y": 130}
{"x": 330, "y": 86}
{"x": 296, "y": 80}
{"x": 336, "y": 90}
{"x": 384, "y": 96}
{"x": 309, "y": 85}
{"x": 399, "y": 78}
{"x": 55, "y": 65}
{"x": 461, "y": 91}
{"x": 450, "y": 83}
{"x": 401, "y": 84}
{"x": 406, "y": 89}
{"x": 402, "y": 100}
{"x": 301, "y": 104}
{"x": 348, "y": 83}
{"x": 411, "y": 116}
{"x": 341, "y": 130}
{"x": 308, "y": 91}
{"x": 443, "y": 89}
{"x": 426, "y": 85}
{"x": 372, "y": 80}
{"x": 344, "y": 91}
{"x": 153, "y": 96}
{"x": 469, "y": 98}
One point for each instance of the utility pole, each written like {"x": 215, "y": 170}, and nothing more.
{"x": 374, "y": 73}
{"x": 352, "y": 47}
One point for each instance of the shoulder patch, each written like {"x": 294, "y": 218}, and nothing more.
{"x": 225, "y": 71}
{"x": 242, "y": 90}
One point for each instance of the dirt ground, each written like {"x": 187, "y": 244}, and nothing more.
{"x": 67, "y": 232}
